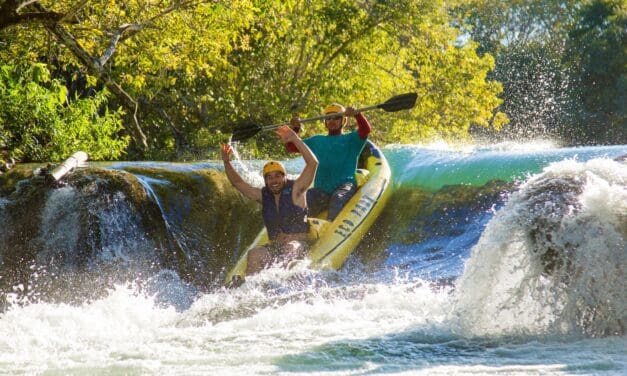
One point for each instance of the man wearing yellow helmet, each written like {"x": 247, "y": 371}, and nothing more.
{"x": 283, "y": 201}
{"x": 337, "y": 153}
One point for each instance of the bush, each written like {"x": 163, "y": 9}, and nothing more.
{"x": 39, "y": 123}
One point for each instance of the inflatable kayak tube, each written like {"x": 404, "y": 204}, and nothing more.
{"x": 334, "y": 241}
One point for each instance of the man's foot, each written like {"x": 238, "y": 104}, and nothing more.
{"x": 235, "y": 282}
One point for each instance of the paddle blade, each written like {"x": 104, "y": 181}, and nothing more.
{"x": 399, "y": 102}
{"x": 244, "y": 132}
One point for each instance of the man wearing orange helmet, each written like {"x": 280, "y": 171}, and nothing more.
{"x": 337, "y": 153}
{"x": 284, "y": 206}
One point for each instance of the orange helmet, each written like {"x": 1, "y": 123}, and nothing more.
{"x": 273, "y": 166}
{"x": 333, "y": 108}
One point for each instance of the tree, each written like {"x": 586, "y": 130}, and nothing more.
{"x": 496, "y": 26}
{"x": 561, "y": 62}
{"x": 38, "y": 123}
{"x": 299, "y": 56}
{"x": 188, "y": 71}
{"x": 597, "y": 53}
{"x": 527, "y": 39}
{"x": 91, "y": 34}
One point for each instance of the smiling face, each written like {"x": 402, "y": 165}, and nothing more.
{"x": 275, "y": 181}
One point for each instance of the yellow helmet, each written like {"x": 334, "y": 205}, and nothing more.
{"x": 273, "y": 166}
{"x": 333, "y": 108}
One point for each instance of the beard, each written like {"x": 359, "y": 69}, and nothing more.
{"x": 275, "y": 187}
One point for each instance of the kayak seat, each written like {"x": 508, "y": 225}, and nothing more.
{"x": 361, "y": 175}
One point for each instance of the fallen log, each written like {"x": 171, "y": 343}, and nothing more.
{"x": 77, "y": 159}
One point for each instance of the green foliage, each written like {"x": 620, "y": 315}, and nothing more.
{"x": 499, "y": 25}
{"x": 37, "y": 123}
{"x": 561, "y": 63}
{"x": 526, "y": 38}
{"x": 178, "y": 42}
{"x": 296, "y": 57}
{"x": 597, "y": 53}
{"x": 198, "y": 68}
{"x": 451, "y": 80}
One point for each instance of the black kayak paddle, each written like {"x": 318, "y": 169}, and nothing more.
{"x": 396, "y": 103}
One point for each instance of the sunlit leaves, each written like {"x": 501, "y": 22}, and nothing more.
{"x": 197, "y": 68}
{"x": 301, "y": 55}
{"x": 37, "y": 123}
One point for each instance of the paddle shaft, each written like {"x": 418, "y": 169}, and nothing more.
{"x": 320, "y": 117}
{"x": 396, "y": 103}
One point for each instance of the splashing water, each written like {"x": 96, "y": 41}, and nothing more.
{"x": 553, "y": 259}
{"x": 529, "y": 279}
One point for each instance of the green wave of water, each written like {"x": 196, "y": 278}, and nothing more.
{"x": 416, "y": 166}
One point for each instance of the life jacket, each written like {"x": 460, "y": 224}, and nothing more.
{"x": 290, "y": 218}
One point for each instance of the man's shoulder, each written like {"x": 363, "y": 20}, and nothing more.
{"x": 315, "y": 139}
{"x": 325, "y": 141}
{"x": 320, "y": 137}
{"x": 355, "y": 138}
{"x": 353, "y": 133}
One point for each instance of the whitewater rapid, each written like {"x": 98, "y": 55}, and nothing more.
{"x": 518, "y": 271}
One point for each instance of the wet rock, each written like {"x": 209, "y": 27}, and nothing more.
{"x": 71, "y": 242}
{"x": 549, "y": 202}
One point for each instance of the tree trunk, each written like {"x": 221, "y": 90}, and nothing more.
{"x": 95, "y": 67}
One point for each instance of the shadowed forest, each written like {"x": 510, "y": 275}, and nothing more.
{"x": 169, "y": 80}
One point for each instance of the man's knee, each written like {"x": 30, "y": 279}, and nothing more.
{"x": 257, "y": 259}
{"x": 295, "y": 249}
{"x": 258, "y": 253}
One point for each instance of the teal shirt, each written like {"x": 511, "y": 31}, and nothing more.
{"x": 337, "y": 159}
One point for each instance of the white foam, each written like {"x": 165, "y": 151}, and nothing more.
{"x": 572, "y": 209}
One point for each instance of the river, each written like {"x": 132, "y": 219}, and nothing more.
{"x": 506, "y": 259}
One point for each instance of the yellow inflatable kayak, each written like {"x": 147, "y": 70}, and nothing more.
{"x": 334, "y": 241}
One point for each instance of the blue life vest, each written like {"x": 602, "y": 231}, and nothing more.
{"x": 290, "y": 218}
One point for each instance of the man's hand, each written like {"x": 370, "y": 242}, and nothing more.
{"x": 296, "y": 124}
{"x": 286, "y": 134}
{"x": 226, "y": 152}
{"x": 350, "y": 111}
